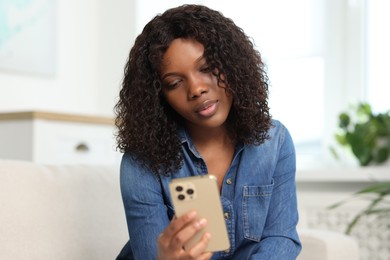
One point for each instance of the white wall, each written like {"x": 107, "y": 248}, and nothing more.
{"x": 93, "y": 41}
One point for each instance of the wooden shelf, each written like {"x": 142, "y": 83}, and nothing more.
{"x": 31, "y": 115}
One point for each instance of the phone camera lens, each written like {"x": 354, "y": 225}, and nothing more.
{"x": 179, "y": 188}
{"x": 181, "y": 197}
{"x": 190, "y": 191}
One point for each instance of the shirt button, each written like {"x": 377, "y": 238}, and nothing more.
{"x": 226, "y": 215}
{"x": 229, "y": 181}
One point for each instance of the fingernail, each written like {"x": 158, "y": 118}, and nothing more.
{"x": 202, "y": 222}
{"x": 191, "y": 214}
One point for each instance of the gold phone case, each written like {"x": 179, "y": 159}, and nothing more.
{"x": 201, "y": 193}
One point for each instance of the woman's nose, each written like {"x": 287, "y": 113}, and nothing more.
{"x": 197, "y": 87}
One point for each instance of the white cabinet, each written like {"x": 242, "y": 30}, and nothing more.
{"x": 53, "y": 138}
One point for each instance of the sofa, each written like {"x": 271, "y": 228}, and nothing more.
{"x": 75, "y": 212}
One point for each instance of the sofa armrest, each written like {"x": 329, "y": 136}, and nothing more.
{"x": 326, "y": 245}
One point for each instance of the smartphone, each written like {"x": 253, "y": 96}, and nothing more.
{"x": 201, "y": 193}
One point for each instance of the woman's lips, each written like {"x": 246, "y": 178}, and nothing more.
{"x": 208, "y": 108}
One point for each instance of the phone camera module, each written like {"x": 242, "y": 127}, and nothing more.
{"x": 181, "y": 197}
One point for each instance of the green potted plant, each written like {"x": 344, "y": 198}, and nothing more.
{"x": 365, "y": 133}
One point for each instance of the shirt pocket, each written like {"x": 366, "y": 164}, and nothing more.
{"x": 255, "y": 204}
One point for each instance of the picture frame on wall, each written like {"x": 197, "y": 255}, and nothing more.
{"x": 28, "y": 41}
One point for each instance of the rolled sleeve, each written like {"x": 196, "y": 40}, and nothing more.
{"x": 146, "y": 212}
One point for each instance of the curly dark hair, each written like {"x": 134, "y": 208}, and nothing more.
{"x": 148, "y": 126}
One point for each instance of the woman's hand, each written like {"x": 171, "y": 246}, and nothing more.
{"x": 171, "y": 241}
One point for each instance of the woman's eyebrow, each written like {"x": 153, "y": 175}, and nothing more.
{"x": 201, "y": 58}
{"x": 168, "y": 74}
{"x": 198, "y": 60}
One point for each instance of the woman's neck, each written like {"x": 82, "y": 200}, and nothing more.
{"x": 206, "y": 137}
{"x": 217, "y": 149}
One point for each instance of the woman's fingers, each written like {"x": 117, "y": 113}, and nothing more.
{"x": 187, "y": 233}
{"x": 200, "y": 247}
{"x": 179, "y": 231}
{"x": 178, "y": 223}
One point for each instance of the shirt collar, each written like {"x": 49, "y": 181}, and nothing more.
{"x": 185, "y": 138}
{"x": 183, "y": 135}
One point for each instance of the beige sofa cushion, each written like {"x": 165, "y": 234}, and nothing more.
{"x": 60, "y": 212}
{"x": 327, "y": 245}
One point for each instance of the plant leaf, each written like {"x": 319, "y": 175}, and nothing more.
{"x": 382, "y": 155}
{"x": 378, "y": 211}
{"x": 380, "y": 188}
{"x": 334, "y": 152}
{"x": 344, "y": 120}
{"x": 352, "y": 224}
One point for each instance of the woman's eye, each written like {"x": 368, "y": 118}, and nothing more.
{"x": 206, "y": 69}
{"x": 172, "y": 85}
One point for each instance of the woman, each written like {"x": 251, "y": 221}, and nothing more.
{"x": 193, "y": 102}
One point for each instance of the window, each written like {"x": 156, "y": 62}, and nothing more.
{"x": 378, "y": 54}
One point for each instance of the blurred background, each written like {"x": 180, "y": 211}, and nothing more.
{"x": 322, "y": 56}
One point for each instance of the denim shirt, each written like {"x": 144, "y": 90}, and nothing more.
{"x": 258, "y": 198}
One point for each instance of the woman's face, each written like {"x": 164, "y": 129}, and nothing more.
{"x": 191, "y": 88}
